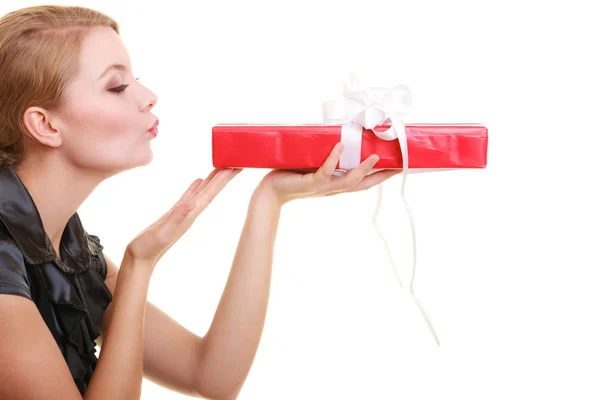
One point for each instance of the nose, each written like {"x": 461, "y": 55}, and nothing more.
{"x": 150, "y": 101}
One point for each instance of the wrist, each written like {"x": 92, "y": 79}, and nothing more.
{"x": 266, "y": 196}
{"x": 264, "y": 210}
{"x": 136, "y": 266}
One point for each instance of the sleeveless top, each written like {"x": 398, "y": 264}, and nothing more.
{"x": 70, "y": 295}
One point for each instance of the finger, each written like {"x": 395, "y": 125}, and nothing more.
{"x": 168, "y": 230}
{"x": 353, "y": 177}
{"x": 327, "y": 169}
{"x": 190, "y": 191}
{"x": 220, "y": 181}
{"x": 203, "y": 197}
{"x": 197, "y": 185}
{"x": 190, "y": 208}
{"x": 209, "y": 178}
{"x": 299, "y": 171}
{"x": 374, "y": 180}
{"x": 368, "y": 182}
{"x": 186, "y": 196}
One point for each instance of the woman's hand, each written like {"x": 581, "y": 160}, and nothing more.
{"x": 153, "y": 242}
{"x": 287, "y": 185}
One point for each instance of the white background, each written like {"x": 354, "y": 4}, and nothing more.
{"x": 507, "y": 268}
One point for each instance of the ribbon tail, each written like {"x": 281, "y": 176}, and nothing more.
{"x": 414, "y": 269}
{"x": 425, "y": 317}
{"x": 403, "y": 142}
{"x": 414, "y": 249}
{"x": 382, "y": 237}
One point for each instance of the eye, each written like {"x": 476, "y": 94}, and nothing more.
{"x": 118, "y": 89}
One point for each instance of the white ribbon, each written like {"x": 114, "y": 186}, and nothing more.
{"x": 370, "y": 108}
{"x": 367, "y": 108}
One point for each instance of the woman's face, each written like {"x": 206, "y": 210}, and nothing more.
{"x": 106, "y": 116}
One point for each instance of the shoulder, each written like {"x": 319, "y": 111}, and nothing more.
{"x": 13, "y": 271}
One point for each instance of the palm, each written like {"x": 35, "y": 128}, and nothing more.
{"x": 153, "y": 242}
{"x": 290, "y": 184}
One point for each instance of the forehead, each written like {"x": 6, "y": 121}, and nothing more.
{"x": 100, "y": 48}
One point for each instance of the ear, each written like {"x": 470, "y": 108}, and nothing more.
{"x": 39, "y": 123}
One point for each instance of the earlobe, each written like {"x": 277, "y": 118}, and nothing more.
{"x": 40, "y": 126}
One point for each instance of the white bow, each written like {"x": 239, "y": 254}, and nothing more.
{"x": 368, "y": 108}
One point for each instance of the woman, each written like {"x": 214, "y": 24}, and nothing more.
{"x": 71, "y": 116}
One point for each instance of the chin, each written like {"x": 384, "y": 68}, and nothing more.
{"x": 140, "y": 159}
{"x": 130, "y": 165}
{"x": 141, "y": 162}
{"x": 148, "y": 159}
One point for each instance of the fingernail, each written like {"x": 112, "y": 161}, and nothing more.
{"x": 339, "y": 146}
{"x": 373, "y": 159}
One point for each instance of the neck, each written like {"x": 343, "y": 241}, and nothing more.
{"x": 58, "y": 190}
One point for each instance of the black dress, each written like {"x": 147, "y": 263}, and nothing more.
{"x": 70, "y": 294}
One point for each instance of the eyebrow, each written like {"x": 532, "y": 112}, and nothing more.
{"x": 113, "y": 66}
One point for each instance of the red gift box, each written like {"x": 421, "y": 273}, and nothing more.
{"x": 307, "y": 146}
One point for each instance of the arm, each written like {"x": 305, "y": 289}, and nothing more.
{"x": 233, "y": 338}
{"x": 32, "y": 367}
{"x": 217, "y": 365}
{"x": 118, "y": 374}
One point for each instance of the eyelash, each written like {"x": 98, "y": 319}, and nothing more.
{"x": 120, "y": 89}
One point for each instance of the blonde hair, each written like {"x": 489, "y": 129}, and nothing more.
{"x": 39, "y": 53}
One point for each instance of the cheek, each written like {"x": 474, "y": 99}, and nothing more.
{"x": 99, "y": 135}
{"x": 107, "y": 122}
{"x": 103, "y": 132}
{"x": 100, "y": 126}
